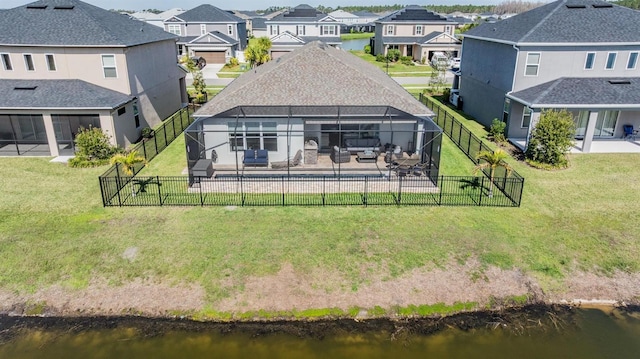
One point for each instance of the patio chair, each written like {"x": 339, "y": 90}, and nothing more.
{"x": 629, "y": 133}
{"x": 340, "y": 155}
{"x": 289, "y": 163}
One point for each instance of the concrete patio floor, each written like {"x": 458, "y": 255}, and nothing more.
{"x": 597, "y": 146}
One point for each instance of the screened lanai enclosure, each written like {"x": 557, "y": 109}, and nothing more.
{"x": 341, "y": 143}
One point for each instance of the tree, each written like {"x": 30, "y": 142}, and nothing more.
{"x": 551, "y": 139}
{"x": 128, "y": 161}
{"x": 492, "y": 160}
{"x": 257, "y": 53}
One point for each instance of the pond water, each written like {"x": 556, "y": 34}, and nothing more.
{"x": 357, "y": 44}
{"x": 580, "y": 334}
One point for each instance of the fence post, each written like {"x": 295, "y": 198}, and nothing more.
{"x": 104, "y": 202}
{"x": 155, "y": 142}
{"x": 201, "y": 198}
{"x": 366, "y": 190}
{"x": 399, "y": 199}
{"x": 324, "y": 190}
{"x": 159, "y": 190}
{"x": 118, "y": 184}
{"x": 282, "y": 188}
{"x": 481, "y": 190}
{"x": 441, "y": 185}
{"x": 164, "y": 128}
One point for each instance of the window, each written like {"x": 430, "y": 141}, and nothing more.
{"x": 175, "y": 29}
{"x": 611, "y": 61}
{"x": 533, "y": 61}
{"x": 390, "y": 29}
{"x": 300, "y": 30}
{"x": 505, "y": 109}
{"x": 28, "y": 62}
{"x": 418, "y": 30}
{"x": 203, "y": 29}
{"x": 588, "y": 62}
{"x": 122, "y": 110}
{"x": 526, "y": 117}
{"x": 328, "y": 30}
{"x": 633, "y": 60}
{"x": 253, "y": 135}
{"x": 109, "y": 66}
{"x": 136, "y": 114}
{"x": 51, "y": 62}
{"x": 6, "y": 62}
{"x": 230, "y": 30}
{"x": 447, "y": 29}
{"x": 274, "y": 29}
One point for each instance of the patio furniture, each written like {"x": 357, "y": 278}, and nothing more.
{"x": 203, "y": 168}
{"x": 289, "y": 163}
{"x": 629, "y": 132}
{"x": 340, "y": 155}
{"x": 255, "y": 158}
{"x": 355, "y": 145}
{"x": 367, "y": 157}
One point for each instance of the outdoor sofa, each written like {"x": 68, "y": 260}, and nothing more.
{"x": 255, "y": 158}
{"x": 340, "y": 155}
{"x": 355, "y": 145}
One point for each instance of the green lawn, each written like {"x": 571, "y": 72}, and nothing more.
{"x": 355, "y": 36}
{"x": 396, "y": 69}
{"x": 54, "y": 230}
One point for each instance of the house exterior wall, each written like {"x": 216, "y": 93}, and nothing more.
{"x": 71, "y": 63}
{"x": 569, "y": 61}
{"x": 194, "y": 29}
{"x": 379, "y": 46}
{"x": 219, "y": 139}
{"x": 486, "y": 76}
{"x": 310, "y": 28}
{"x": 514, "y": 126}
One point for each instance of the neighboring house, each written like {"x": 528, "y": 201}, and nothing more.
{"x": 259, "y": 27}
{"x": 322, "y": 93}
{"x": 361, "y": 21}
{"x": 344, "y": 17}
{"x": 209, "y": 32}
{"x": 415, "y": 32}
{"x": 156, "y": 19}
{"x": 570, "y": 54}
{"x": 300, "y": 25}
{"x": 248, "y": 17}
{"x": 65, "y": 64}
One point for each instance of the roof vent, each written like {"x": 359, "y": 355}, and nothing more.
{"x": 63, "y": 7}
{"x": 41, "y": 7}
{"x": 620, "y": 82}
{"x": 25, "y": 88}
{"x": 601, "y": 6}
{"x": 575, "y": 6}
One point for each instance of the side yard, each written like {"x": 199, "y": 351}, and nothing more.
{"x": 396, "y": 69}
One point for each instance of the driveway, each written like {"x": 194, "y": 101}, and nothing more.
{"x": 210, "y": 74}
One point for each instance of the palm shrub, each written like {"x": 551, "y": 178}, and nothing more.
{"x": 551, "y": 139}
{"x": 492, "y": 160}
{"x": 496, "y": 131}
{"x": 128, "y": 161}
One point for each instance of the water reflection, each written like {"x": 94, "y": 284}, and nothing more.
{"x": 585, "y": 334}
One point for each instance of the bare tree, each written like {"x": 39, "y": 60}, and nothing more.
{"x": 516, "y": 6}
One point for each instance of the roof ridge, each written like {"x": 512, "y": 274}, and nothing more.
{"x": 96, "y": 21}
{"x": 539, "y": 24}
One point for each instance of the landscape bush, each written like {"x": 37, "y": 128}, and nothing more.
{"x": 497, "y": 129}
{"x": 381, "y": 58}
{"x": 367, "y": 49}
{"x": 407, "y": 60}
{"x": 551, "y": 139}
{"x": 393, "y": 55}
{"x": 92, "y": 148}
{"x": 233, "y": 62}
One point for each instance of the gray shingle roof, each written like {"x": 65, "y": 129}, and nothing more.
{"x": 314, "y": 75}
{"x": 414, "y": 13}
{"x": 557, "y": 23}
{"x": 208, "y": 13}
{"x": 411, "y": 39}
{"x": 82, "y": 25}
{"x": 259, "y": 23}
{"x": 300, "y": 13}
{"x": 579, "y": 92}
{"x": 58, "y": 94}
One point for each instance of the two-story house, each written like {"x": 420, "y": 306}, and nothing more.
{"x": 415, "y": 32}
{"x": 156, "y": 19}
{"x": 579, "y": 55}
{"x": 65, "y": 64}
{"x": 301, "y": 25}
{"x": 209, "y": 32}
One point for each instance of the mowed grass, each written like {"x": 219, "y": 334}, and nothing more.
{"x": 396, "y": 69}
{"x": 54, "y": 230}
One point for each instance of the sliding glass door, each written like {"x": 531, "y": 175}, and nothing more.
{"x": 606, "y": 124}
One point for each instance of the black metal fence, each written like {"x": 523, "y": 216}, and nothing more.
{"x": 471, "y": 145}
{"x": 305, "y": 191}
{"x": 505, "y": 191}
{"x": 172, "y": 127}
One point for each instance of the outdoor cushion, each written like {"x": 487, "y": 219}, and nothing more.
{"x": 256, "y": 158}
{"x": 362, "y": 144}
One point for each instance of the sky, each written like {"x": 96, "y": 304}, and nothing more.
{"x": 247, "y": 4}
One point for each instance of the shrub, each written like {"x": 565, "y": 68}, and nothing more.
{"x": 92, "y": 143}
{"x": 496, "y": 131}
{"x": 407, "y": 60}
{"x": 381, "y": 58}
{"x": 233, "y": 61}
{"x": 446, "y": 93}
{"x": 393, "y": 55}
{"x": 146, "y": 132}
{"x": 551, "y": 139}
{"x": 367, "y": 49}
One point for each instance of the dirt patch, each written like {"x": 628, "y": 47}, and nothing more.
{"x": 291, "y": 289}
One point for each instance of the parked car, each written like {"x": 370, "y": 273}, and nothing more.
{"x": 454, "y": 63}
{"x": 439, "y": 59}
{"x": 199, "y": 62}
